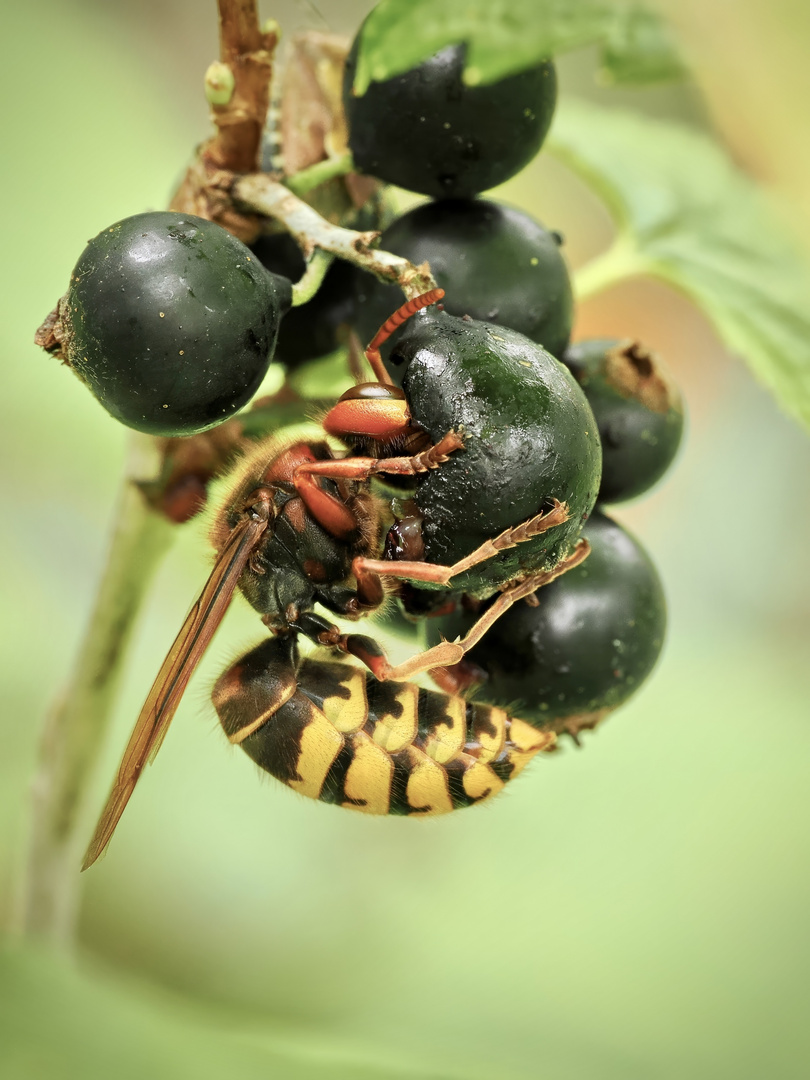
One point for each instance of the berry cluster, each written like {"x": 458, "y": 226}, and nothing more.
{"x": 474, "y": 469}
{"x": 568, "y": 657}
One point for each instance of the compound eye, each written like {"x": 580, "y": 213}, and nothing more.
{"x": 373, "y": 391}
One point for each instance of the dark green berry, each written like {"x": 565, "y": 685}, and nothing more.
{"x": 590, "y": 643}
{"x": 171, "y": 322}
{"x": 428, "y": 131}
{"x": 529, "y": 439}
{"x": 495, "y": 264}
{"x": 639, "y": 411}
{"x": 312, "y": 330}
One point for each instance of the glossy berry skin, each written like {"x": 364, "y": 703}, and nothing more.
{"x": 529, "y": 438}
{"x": 639, "y": 411}
{"x": 171, "y": 322}
{"x": 312, "y": 330}
{"x": 585, "y": 649}
{"x": 427, "y": 131}
{"x": 495, "y": 264}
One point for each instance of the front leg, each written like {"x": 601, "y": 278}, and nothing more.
{"x": 389, "y": 326}
{"x": 331, "y": 512}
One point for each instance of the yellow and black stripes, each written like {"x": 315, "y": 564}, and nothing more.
{"x": 333, "y": 732}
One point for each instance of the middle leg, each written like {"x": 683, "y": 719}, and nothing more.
{"x": 519, "y": 590}
{"x": 447, "y": 653}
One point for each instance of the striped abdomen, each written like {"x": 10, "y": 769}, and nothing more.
{"x": 333, "y": 732}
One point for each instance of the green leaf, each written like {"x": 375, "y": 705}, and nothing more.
{"x": 62, "y": 1022}
{"x": 638, "y": 50}
{"x": 686, "y": 215}
{"x": 323, "y": 378}
{"x": 504, "y": 36}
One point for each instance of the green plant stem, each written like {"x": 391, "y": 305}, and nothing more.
{"x": 75, "y": 729}
{"x": 261, "y": 194}
{"x": 306, "y": 287}
{"x": 304, "y": 181}
{"x": 622, "y": 260}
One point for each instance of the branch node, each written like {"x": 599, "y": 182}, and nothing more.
{"x": 219, "y": 83}
{"x": 365, "y": 241}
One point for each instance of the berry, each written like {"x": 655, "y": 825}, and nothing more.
{"x": 589, "y": 644}
{"x": 312, "y": 330}
{"x": 171, "y": 322}
{"x": 529, "y": 438}
{"x": 427, "y": 131}
{"x": 494, "y": 263}
{"x": 638, "y": 409}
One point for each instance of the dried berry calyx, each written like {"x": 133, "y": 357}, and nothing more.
{"x": 638, "y": 408}
{"x": 171, "y": 322}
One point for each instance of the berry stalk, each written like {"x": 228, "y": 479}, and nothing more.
{"x": 260, "y": 194}
{"x": 304, "y": 289}
{"x": 314, "y": 175}
{"x": 620, "y": 261}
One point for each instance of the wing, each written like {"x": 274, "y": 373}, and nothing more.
{"x": 172, "y": 679}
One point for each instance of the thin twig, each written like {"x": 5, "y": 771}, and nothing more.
{"x": 261, "y": 194}
{"x": 248, "y": 54}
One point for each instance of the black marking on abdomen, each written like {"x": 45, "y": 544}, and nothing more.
{"x": 399, "y": 785}
{"x": 432, "y": 711}
{"x": 334, "y": 784}
{"x": 455, "y": 782}
{"x": 324, "y": 680}
{"x": 479, "y": 715}
{"x": 276, "y": 745}
{"x": 382, "y": 701}
{"x": 502, "y": 766}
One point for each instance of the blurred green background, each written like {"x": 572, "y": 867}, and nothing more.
{"x": 636, "y": 909}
